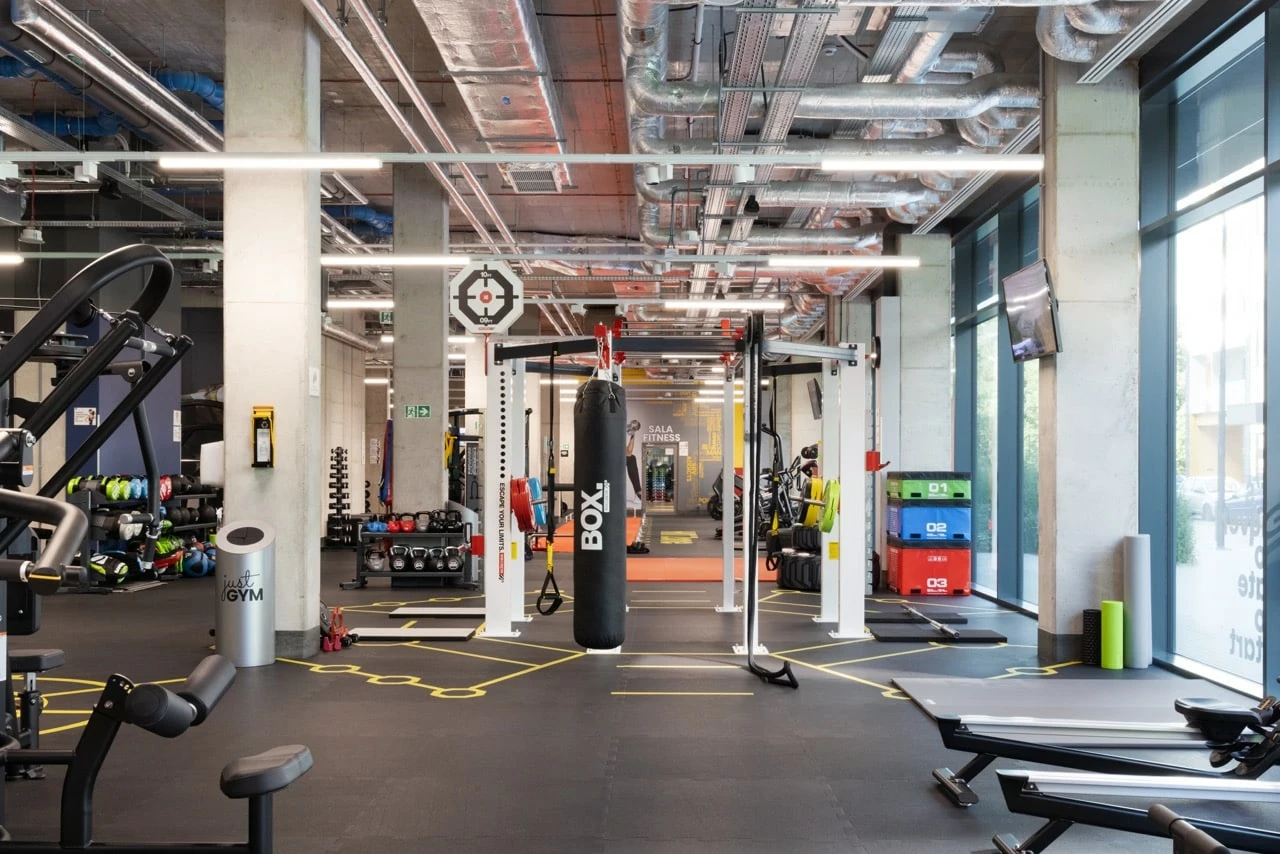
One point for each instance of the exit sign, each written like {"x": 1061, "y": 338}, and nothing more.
{"x": 418, "y": 410}
{"x": 384, "y": 317}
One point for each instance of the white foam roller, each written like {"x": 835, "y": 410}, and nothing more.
{"x": 1137, "y": 601}
{"x": 213, "y": 464}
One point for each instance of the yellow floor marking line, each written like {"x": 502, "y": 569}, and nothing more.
{"x": 1047, "y": 670}
{"x": 410, "y": 624}
{"x": 72, "y": 681}
{"x": 789, "y": 613}
{"x": 357, "y": 670}
{"x": 885, "y": 690}
{"x": 825, "y": 646}
{"x": 678, "y": 667}
{"x": 64, "y": 728}
{"x": 82, "y": 712}
{"x": 72, "y": 693}
{"x": 682, "y": 693}
{"x": 559, "y": 649}
{"x": 420, "y": 645}
{"x": 527, "y": 671}
{"x": 878, "y": 657}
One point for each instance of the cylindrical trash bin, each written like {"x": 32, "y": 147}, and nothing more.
{"x": 245, "y": 618}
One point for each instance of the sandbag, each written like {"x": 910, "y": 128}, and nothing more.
{"x": 600, "y": 510}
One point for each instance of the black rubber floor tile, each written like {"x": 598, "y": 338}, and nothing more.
{"x": 759, "y": 810}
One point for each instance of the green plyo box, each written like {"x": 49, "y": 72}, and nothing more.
{"x": 930, "y": 485}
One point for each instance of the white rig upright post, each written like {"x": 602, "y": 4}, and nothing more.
{"x": 728, "y": 598}
{"x": 829, "y": 468}
{"x": 516, "y": 432}
{"x": 502, "y": 552}
{"x": 851, "y": 522}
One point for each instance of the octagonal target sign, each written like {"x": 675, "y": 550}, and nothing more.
{"x": 486, "y": 297}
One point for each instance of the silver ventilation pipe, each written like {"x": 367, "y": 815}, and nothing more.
{"x": 1061, "y": 40}
{"x": 760, "y": 240}
{"x": 1105, "y": 17}
{"x": 645, "y": 142}
{"x": 1072, "y": 34}
{"x": 968, "y": 56}
{"x": 331, "y": 330}
{"x": 811, "y": 194}
{"x": 651, "y": 94}
{"x": 975, "y": 132}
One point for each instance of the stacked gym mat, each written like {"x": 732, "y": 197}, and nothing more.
{"x": 930, "y": 533}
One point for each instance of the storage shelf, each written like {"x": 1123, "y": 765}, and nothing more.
{"x": 372, "y": 535}
{"x": 408, "y": 573}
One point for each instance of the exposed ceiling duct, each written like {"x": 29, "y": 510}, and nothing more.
{"x": 876, "y": 194}
{"x": 760, "y": 239}
{"x": 1074, "y": 34}
{"x": 494, "y": 53}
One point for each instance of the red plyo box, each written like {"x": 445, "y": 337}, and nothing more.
{"x": 917, "y": 570}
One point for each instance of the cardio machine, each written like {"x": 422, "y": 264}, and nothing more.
{"x": 1247, "y": 740}
{"x": 154, "y": 708}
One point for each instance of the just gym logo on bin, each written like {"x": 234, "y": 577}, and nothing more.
{"x": 594, "y": 507}
{"x": 243, "y": 588}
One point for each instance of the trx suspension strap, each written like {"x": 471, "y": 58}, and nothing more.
{"x": 549, "y": 599}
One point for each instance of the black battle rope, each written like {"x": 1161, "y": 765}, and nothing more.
{"x": 549, "y": 601}
{"x": 751, "y": 514}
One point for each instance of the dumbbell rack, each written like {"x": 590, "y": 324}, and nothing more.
{"x": 90, "y": 501}
{"x": 214, "y": 498}
{"x": 432, "y": 539}
{"x": 340, "y": 528}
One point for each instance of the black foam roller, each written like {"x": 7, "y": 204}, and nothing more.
{"x": 1091, "y": 649}
{"x": 600, "y": 516}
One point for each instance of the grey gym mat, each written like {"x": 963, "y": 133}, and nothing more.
{"x": 1138, "y": 700}
{"x": 437, "y": 612}
{"x": 414, "y": 633}
{"x": 923, "y": 632}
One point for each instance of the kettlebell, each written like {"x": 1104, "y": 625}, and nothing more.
{"x": 437, "y": 560}
{"x": 418, "y": 555}
{"x": 393, "y": 526}
{"x": 422, "y": 522}
{"x": 374, "y": 559}
{"x": 399, "y": 558}
{"x": 453, "y": 559}
{"x": 453, "y": 521}
{"x": 407, "y": 523}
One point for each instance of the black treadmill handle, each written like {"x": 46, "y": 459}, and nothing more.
{"x": 45, "y": 574}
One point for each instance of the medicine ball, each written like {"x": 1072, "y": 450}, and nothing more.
{"x": 208, "y": 514}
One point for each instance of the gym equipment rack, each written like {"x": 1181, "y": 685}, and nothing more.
{"x": 441, "y": 539}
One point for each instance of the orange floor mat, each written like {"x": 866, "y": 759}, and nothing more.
{"x": 642, "y": 568}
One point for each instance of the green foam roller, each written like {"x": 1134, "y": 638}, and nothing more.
{"x": 1112, "y": 635}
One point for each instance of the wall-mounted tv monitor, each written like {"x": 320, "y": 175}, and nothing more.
{"x": 1032, "y": 313}
{"x": 815, "y": 398}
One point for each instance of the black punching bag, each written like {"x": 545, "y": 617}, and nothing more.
{"x": 600, "y": 515}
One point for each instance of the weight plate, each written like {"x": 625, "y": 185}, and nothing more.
{"x": 830, "y": 506}
{"x": 812, "y": 511}
{"x": 522, "y": 504}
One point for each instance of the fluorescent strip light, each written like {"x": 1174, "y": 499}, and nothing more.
{"x": 394, "y": 260}
{"x": 377, "y": 381}
{"x": 937, "y": 163}
{"x": 720, "y": 383}
{"x": 717, "y": 369}
{"x": 726, "y": 304}
{"x": 388, "y": 339}
{"x": 861, "y": 262}
{"x": 688, "y": 356}
{"x": 457, "y": 357}
{"x": 362, "y": 304}
{"x": 557, "y": 382}
{"x": 229, "y": 162}
{"x": 462, "y": 339}
{"x": 10, "y": 259}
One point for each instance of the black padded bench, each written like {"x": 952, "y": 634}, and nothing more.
{"x": 256, "y": 778}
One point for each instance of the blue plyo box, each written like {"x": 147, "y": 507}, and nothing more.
{"x": 930, "y": 521}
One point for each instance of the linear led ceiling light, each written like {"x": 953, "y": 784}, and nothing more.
{"x": 377, "y": 380}
{"x": 10, "y": 259}
{"x": 855, "y": 262}
{"x": 558, "y": 382}
{"x": 726, "y": 304}
{"x": 362, "y": 304}
{"x": 462, "y": 339}
{"x": 674, "y": 356}
{"x": 246, "y": 162}
{"x": 937, "y": 163}
{"x": 394, "y": 260}
{"x": 387, "y": 339}
{"x": 457, "y": 357}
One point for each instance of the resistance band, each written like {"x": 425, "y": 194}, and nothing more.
{"x": 549, "y": 599}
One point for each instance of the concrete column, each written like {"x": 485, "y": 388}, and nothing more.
{"x": 924, "y": 360}
{"x": 1088, "y": 393}
{"x": 271, "y": 303}
{"x": 375, "y": 428}
{"x": 421, "y": 360}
